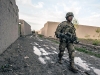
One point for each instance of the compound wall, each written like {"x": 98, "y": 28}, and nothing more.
{"x": 8, "y": 23}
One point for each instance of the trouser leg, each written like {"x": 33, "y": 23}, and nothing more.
{"x": 71, "y": 50}
{"x": 62, "y": 47}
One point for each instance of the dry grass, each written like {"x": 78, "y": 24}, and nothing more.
{"x": 90, "y": 41}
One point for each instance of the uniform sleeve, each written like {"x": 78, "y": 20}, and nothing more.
{"x": 58, "y": 30}
{"x": 74, "y": 31}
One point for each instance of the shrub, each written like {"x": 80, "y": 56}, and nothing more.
{"x": 84, "y": 50}
{"x": 96, "y": 42}
{"x": 40, "y": 35}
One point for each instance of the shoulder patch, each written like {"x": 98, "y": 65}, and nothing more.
{"x": 64, "y": 21}
{"x": 62, "y": 24}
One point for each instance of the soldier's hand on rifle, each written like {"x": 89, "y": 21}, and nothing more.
{"x": 75, "y": 40}
{"x": 68, "y": 36}
{"x": 62, "y": 35}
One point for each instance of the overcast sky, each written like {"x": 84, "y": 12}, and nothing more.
{"x": 38, "y": 12}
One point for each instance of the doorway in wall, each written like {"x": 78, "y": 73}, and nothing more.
{"x": 19, "y": 27}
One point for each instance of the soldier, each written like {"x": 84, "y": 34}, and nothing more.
{"x": 33, "y": 32}
{"x": 66, "y": 34}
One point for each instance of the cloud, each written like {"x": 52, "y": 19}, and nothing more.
{"x": 28, "y": 12}
{"x": 38, "y": 13}
{"x": 93, "y": 20}
{"x": 72, "y": 8}
{"x": 33, "y": 20}
{"x": 38, "y": 19}
{"x": 30, "y": 4}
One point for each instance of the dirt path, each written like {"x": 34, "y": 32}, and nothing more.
{"x": 35, "y": 56}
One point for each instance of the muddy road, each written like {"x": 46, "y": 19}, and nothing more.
{"x": 38, "y": 56}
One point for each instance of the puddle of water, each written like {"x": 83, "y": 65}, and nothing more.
{"x": 65, "y": 57}
{"x": 36, "y": 43}
{"x": 26, "y": 57}
{"x": 31, "y": 43}
{"x": 31, "y": 36}
{"x": 47, "y": 47}
{"x": 65, "y": 52}
{"x": 49, "y": 72}
{"x": 44, "y": 52}
{"x": 48, "y": 58}
{"x": 36, "y": 51}
{"x": 52, "y": 62}
{"x": 41, "y": 51}
{"x": 39, "y": 39}
{"x": 39, "y": 46}
{"x": 42, "y": 60}
{"x": 97, "y": 71}
{"x": 81, "y": 63}
{"x": 53, "y": 48}
{"x": 55, "y": 52}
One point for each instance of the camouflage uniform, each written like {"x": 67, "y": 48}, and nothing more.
{"x": 64, "y": 28}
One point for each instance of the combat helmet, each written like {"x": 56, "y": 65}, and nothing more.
{"x": 69, "y": 14}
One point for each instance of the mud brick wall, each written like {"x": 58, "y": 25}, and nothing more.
{"x": 25, "y": 28}
{"x": 8, "y": 23}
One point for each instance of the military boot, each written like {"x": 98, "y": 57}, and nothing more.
{"x": 72, "y": 64}
{"x": 60, "y": 61}
{"x": 72, "y": 67}
{"x": 60, "y": 57}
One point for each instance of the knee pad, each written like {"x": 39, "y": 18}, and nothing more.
{"x": 60, "y": 54}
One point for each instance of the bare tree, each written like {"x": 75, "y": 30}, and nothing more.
{"x": 75, "y": 22}
{"x": 98, "y": 31}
